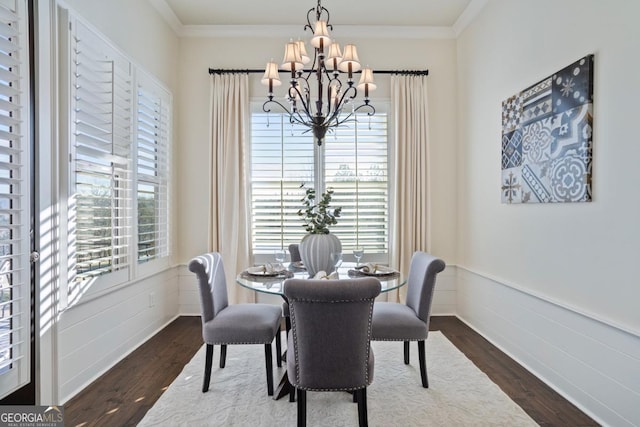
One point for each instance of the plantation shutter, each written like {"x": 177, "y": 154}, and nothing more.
{"x": 153, "y": 126}
{"x": 101, "y": 87}
{"x": 15, "y": 301}
{"x": 282, "y": 157}
{"x": 356, "y": 166}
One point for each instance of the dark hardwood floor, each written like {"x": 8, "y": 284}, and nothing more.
{"x": 125, "y": 393}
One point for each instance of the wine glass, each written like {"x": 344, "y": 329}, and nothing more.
{"x": 280, "y": 255}
{"x": 336, "y": 259}
{"x": 358, "y": 253}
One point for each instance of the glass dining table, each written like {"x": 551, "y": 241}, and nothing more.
{"x": 273, "y": 284}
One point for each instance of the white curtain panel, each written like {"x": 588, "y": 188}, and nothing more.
{"x": 229, "y": 209}
{"x": 410, "y": 114}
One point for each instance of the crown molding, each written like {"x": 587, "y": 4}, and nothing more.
{"x": 168, "y": 15}
{"x": 287, "y": 31}
{"x": 351, "y": 31}
{"x": 467, "y": 16}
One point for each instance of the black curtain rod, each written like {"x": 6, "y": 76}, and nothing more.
{"x": 239, "y": 71}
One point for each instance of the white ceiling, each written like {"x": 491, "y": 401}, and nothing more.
{"x": 193, "y": 17}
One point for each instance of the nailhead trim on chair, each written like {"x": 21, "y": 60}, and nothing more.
{"x": 295, "y": 342}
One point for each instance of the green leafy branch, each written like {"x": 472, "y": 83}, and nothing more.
{"x": 319, "y": 216}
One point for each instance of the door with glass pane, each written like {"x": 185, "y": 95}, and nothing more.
{"x": 15, "y": 199}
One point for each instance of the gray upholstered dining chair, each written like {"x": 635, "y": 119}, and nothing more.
{"x": 294, "y": 251}
{"x": 410, "y": 321}
{"x": 329, "y": 348}
{"x": 224, "y": 324}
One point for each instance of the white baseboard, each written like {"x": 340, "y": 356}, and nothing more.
{"x": 593, "y": 364}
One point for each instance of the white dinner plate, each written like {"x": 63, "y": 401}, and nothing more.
{"x": 380, "y": 271}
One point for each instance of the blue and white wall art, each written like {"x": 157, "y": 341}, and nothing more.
{"x": 547, "y": 138}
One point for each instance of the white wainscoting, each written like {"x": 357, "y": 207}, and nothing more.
{"x": 444, "y": 299}
{"x": 593, "y": 364}
{"x": 96, "y": 334}
{"x": 189, "y": 298}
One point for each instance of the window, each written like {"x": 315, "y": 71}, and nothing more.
{"x": 354, "y": 162}
{"x": 152, "y": 167}
{"x": 101, "y": 136}
{"x": 15, "y": 295}
{"x": 119, "y": 134}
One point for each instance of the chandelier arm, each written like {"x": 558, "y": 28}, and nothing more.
{"x": 346, "y": 92}
{"x": 296, "y": 116}
{"x": 271, "y": 101}
{"x": 318, "y": 10}
{"x": 366, "y": 105}
{"x": 301, "y": 99}
{"x": 309, "y": 26}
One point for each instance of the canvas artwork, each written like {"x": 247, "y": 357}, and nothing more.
{"x": 547, "y": 139}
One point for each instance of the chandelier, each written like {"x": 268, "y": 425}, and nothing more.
{"x": 318, "y": 103}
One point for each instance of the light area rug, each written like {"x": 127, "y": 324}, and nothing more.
{"x": 459, "y": 394}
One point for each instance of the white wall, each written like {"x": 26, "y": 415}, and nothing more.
{"x": 197, "y": 55}
{"x": 81, "y": 342}
{"x": 555, "y": 285}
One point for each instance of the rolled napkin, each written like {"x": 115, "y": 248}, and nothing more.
{"x": 323, "y": 275}
{"x": 371, "y": 268}
{"x": 267, "y": 268}
{"x": 368, "y": 268}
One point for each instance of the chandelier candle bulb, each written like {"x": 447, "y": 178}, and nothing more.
{"x": 334, "y": 57}
{"x": 304, "y": 56}
{"x": 292, "y": 60}
{"x": 321, "y": 35}
{"x": 350, "y": 62}
{"x": 366, "y": 82}
{"x": 271, "y": 77}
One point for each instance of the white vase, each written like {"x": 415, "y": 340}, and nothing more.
{"x": 316, "y": 250}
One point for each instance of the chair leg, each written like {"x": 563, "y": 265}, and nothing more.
{"x": 423, "y": 364}
{"x": 223, "y": 355}
{"x": 278, "y": 349}
{"x": 268, "y": 361}
{"x": 287, "y": 325}
{"x": 362, "y": 407}
{"x": 406, "y": 352}
{"x": 292, "y": 393}
{"x": 302, "y": 408}
{"x": 207, "y": 368}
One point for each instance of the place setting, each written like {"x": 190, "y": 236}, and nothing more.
{"x": 370, "y": 268}
{"x": 269, "y": 270}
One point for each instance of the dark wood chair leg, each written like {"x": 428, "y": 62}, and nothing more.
{"x": 207, "y": 368}
{"x": 278, "y": 349}
{"x": 406, "y": 352}
{"x": 423, "y": 364}
{"x": 268, "y": 362}
{"x": 362, "y": 407}
{"x": 223, "y": 355}
{"x": 292, "y": 393}
{"x": 302, "y": 408}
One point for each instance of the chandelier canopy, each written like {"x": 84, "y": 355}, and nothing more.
{"x": 320, "y": 108}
